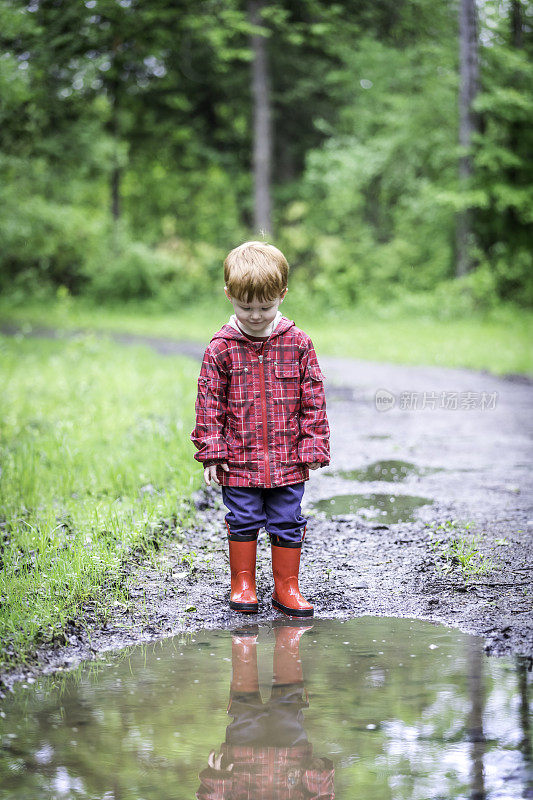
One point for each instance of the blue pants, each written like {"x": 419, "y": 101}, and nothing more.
{"x": 277, "y": 509}
{"x": 276, "y": 723}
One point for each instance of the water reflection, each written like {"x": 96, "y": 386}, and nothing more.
{"x": 525, "y": 719}
{"x": 388, "y": 471}
{"x": 475, "y": 721}
{"x": 266, "y": 752}
{"x": 387, "y": 709}
{"x": 384, "y": 508}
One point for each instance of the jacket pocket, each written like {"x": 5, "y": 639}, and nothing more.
{"x": 211, "y": 385}
{"x": 238, "y": 442}
{"x": 316, "y": 373}
{"x": 286, "y": 383}
{"x": 294, "y": 424}
{"x": 288, "y": 370}
{"x": 286, "y": 437}
{"x": 239, "y": 385}
{"x": 211, "y": 392}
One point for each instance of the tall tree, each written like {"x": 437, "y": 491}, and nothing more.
{"x": 468, "y": 124}
{"x": 517, "y": 22}
{"x": 262, "y": 125}
{"x": 503, "y": 171}
{"x": 515, "y": 129}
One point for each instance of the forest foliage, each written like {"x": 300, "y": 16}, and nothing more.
{"x": 126, "y": 142}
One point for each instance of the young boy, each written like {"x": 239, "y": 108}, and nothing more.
{"x": 261, "y": 425}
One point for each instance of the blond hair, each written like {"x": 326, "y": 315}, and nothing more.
{"x": 255, "y": 269}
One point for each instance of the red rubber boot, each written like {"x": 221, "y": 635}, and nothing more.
{"x": 287, "y": 668}
{"x": 245, "y": 677}
{"x": 242, "y": 556}
{"x": 285, "y": 569}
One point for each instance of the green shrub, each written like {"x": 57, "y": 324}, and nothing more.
{"x": 123, "y": 269}
{"x": 45, "y": 244}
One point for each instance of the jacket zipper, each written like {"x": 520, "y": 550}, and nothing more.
{"x": 264, "y": 417}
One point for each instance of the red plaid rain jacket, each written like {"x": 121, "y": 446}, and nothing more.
{"x": 263, "y": 410}
{"x": 269, "y": 773}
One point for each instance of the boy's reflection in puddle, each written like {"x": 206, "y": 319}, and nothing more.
{"x": 266, "y": 753}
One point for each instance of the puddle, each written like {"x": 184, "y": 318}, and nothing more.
{"x": 383, "y": 507}
{"x": 371, "y": 707}
{"x": 390, "y": 471}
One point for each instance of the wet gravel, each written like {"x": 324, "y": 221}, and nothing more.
{"x": 359, "y": 563}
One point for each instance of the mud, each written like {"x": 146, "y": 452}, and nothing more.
{"x": 473, "y": 465}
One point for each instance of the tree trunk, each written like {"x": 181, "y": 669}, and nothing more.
{"x": 115, "y": 192}
{"x": 523, "y": 712}
{"x": 468, "y": 123}
{"x": 115, "y": 172}
{"x": 262, "y": 129}
{"x": 517, "y": 23}
{"x": 475, "y": 732}
{"x": 515, "y": 128}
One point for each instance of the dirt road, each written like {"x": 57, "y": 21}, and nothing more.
{"x": 465, "y": 440}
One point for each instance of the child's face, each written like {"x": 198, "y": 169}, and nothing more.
{"x": 256, "y": 317}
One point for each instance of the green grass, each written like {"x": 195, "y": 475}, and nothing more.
{"x": 96, "y": 463}
{"x": 456, "y": 549}
{"x": 500, "y": 341}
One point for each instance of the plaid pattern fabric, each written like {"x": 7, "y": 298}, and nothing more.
{"x": 269, "y": 773}
{"x": 261, "y": 407}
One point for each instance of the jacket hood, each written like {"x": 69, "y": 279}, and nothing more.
{"x": 231, "y": 329}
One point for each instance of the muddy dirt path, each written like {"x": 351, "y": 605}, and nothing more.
{"x": 470, "y": 436}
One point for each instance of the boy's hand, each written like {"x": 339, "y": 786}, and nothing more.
{"x": 314, "y": 465}
{"x": 215, "y": 762}
{"x": 211, "y": 472}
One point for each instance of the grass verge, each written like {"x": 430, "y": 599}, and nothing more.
{"x": 96, "y": 465}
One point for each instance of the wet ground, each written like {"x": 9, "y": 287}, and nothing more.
{"x": 460, "y": 443}
{"x": 368, "y": 707}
